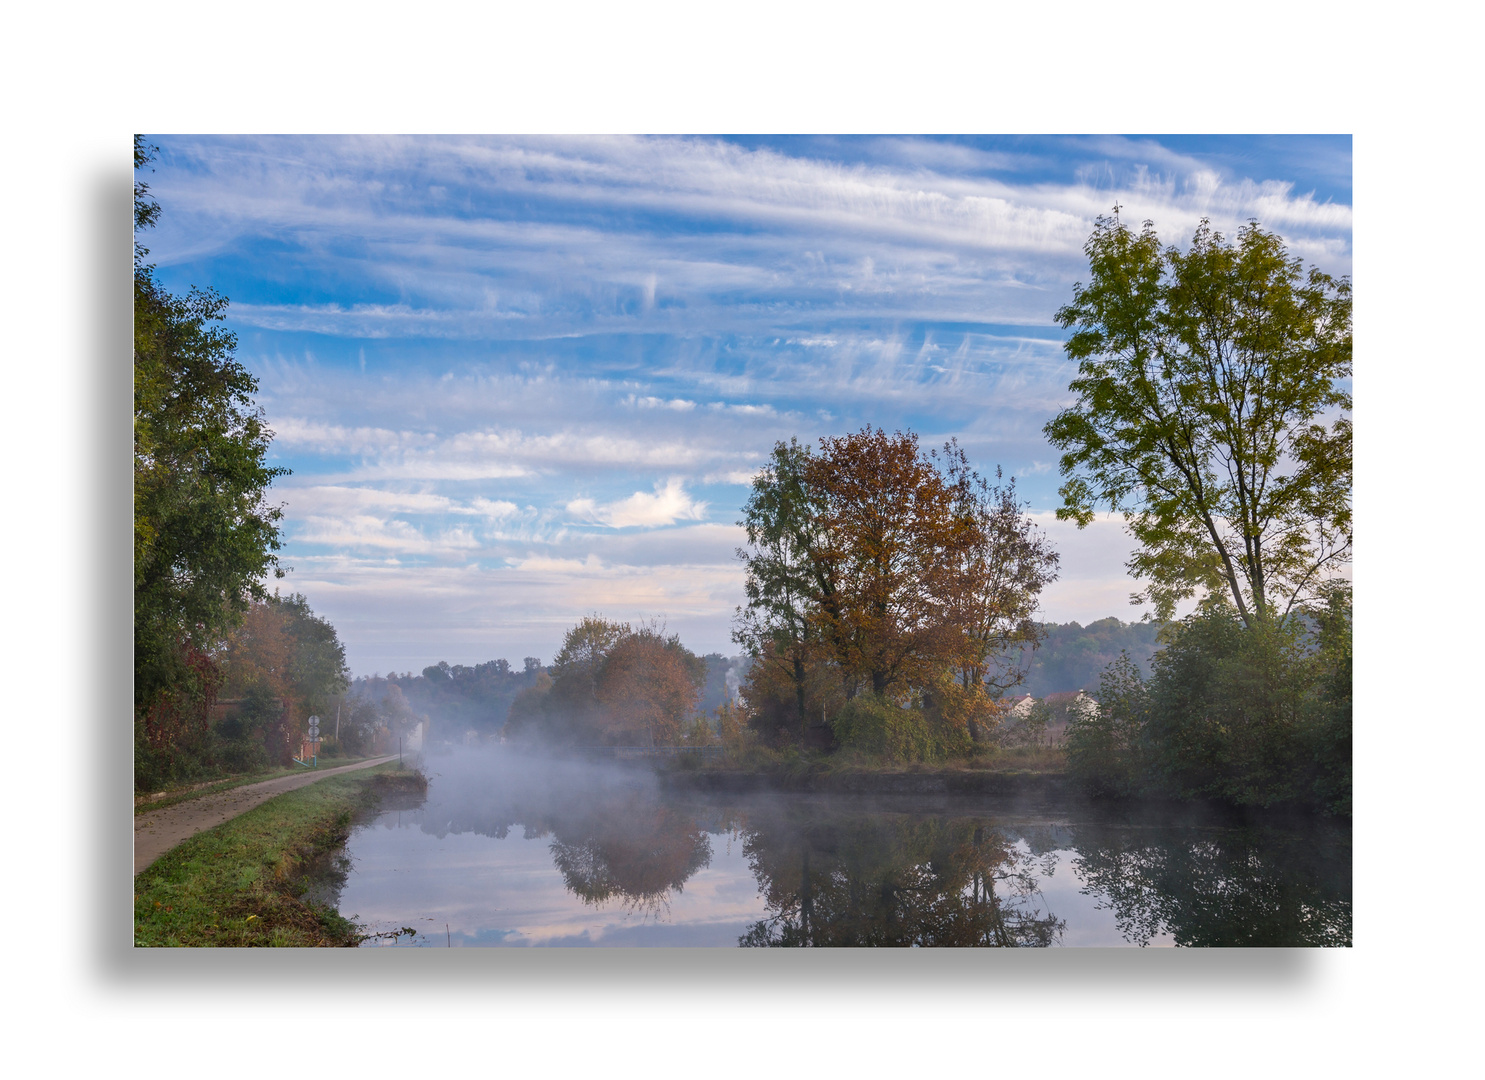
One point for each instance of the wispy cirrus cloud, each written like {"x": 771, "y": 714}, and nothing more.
{"x": 479, "y": 353}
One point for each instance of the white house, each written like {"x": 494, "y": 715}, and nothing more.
{"x": 1019, "y": 707}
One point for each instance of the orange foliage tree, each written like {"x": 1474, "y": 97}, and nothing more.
{"x": 902, "y": 574}
{"x": 612, "y": 684}
{"x": 281, "y": 663}
{"x": 649, "y": 687}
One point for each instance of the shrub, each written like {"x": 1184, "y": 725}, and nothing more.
{"x": 875, "y": 725}
{"x": 1104, "y": 748}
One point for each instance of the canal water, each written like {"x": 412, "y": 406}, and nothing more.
{"x": 509, "y": 850}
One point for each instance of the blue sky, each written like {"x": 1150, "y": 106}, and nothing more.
{"x": 523, "y": 379}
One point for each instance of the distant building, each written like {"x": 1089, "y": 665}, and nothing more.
{"x": 1019, "y": 707}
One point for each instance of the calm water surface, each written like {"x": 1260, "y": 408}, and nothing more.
{"x": 515, "y": 851}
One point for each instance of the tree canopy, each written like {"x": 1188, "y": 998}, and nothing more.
{"x": 1211, "y": 412}
{"x": 872, "y": 566}
{"x": 612, "y": 684}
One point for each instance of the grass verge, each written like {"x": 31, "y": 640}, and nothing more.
{"x": 243, "y": 882}
{"x": 143, "y": 804}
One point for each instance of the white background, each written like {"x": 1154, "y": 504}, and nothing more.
{"x": 79, "y": 80}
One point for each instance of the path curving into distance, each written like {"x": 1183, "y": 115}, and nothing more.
{"x": 157, "y": 831}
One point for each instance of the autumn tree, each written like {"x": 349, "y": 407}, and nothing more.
{"x": 649, "y": 687}
{"x": 281, "y": 664}
{"x": 1211, "y": 411}
{"x": 902, "y": 572}
{"x": 612, "y": 683}
{"x": 889, "y": 537}
{"x": 1000, "y": 566}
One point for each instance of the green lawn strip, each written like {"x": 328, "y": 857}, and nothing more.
{"x": 242, "y": 883}
{"x": 227, "y": 784}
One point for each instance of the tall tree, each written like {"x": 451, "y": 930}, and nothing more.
{"x": 1211, "y": 412}
{"x": 785, "y": 579}
{"x": 889, "y": 539}
{"x": 204, "y": 533}
{"x": 896, "y": 569}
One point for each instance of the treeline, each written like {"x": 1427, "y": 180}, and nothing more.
{"x": 461, "y": 697}
{"x": 890, "y": 594}
{"x": 458, "y": 698}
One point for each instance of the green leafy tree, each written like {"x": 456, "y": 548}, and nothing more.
{"x": 786, "y": 578}
{"x": 204, "y": 534}
{"x": 1211, "y": 412}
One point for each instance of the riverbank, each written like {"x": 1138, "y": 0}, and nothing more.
{"x": 243, "y": 882}
{"x": 825, "y": 776}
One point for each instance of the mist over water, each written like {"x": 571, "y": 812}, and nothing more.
{"x": 515, "y": 849}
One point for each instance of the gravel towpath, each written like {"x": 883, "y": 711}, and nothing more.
{"x": 157, "y": 831}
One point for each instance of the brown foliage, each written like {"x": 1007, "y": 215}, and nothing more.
{"x": 648, "y": 687}
{"x": 889, "y": 534}
{"x": 884, "y": 570}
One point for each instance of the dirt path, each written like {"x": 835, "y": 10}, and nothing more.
{"x": 157, "y": 831}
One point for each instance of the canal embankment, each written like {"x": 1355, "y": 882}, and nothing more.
{"x": 243, "y": 881}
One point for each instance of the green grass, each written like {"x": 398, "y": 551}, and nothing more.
{"x": 243, "y": 882}
{"x": 144, "y": 804}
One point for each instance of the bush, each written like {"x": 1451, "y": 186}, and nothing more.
{"x": 242, "y": 755}
{"x": 1104, "y": 749}
{"x": 875, "y": 725}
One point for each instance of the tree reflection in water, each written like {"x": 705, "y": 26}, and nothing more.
{"x": 850, "y": 873}
{"x": 1244, "y": 886}
{"x": 613, "y": 838}
{"x": 894, "y": 880}
{"x": 636, "y": 852}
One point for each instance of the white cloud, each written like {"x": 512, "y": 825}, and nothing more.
{"x": 362, "y": 531}
{"x": 665, "y": 506}
{"x": 676, "y": 404}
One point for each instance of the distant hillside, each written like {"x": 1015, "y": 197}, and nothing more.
{"x": 1073, "y": 656}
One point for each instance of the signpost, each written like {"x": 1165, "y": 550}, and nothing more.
{"x": 314, "y": 740}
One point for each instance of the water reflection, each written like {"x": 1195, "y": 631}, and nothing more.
{"x": 1235, "y": 886}
{"x": 613, "y": 837}
{"x": 509, "y": 850}
{"x": 834, "y": 878}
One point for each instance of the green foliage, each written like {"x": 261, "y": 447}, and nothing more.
{"x": 881, "y": 728}
{"x": 1330, "y": 706}
{"x": 1103, "y": 748}
{"x": 1032, "y": 729}
{"x": 1256, "y": 716}
{"x": 204, "y": 536}
{"x": 1204, "y": 378}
